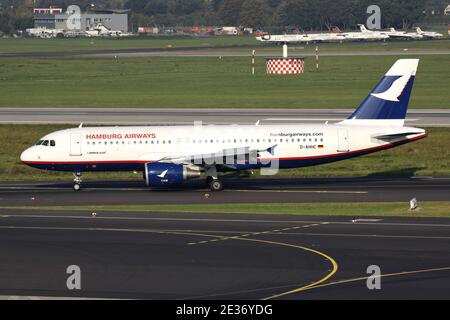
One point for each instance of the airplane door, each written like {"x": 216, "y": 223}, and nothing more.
{"x": 343, "y": 144}
{"x": 75, "y": 144}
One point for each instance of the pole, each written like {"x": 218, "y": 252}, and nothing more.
{"x": 285, "y": 50}
{"x": 317, "y": 58}
{"x": 253, "y": 62}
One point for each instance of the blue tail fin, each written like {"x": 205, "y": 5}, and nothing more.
{"x": 390, "y": 98}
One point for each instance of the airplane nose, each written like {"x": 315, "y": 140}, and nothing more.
{"x": 25, "y": 156}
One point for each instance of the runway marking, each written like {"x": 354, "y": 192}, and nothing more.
{"x": 87, "y": 215}
{"x": 396, "y": 274}
{"x": 242, "y": 236}
{"x": 366, "y": 235}
{"x": 367, "y": 220}
{"x": 88, "y": 189}
{"x": 296, "y": 191}
{"x": 327, "y": 257}
{"x": 318, "y": 286}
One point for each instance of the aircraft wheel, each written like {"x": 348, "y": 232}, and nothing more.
{"x": 216, "y": 185}
{"x": 76, "y": 187}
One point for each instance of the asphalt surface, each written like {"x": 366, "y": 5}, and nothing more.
{"x": 220, "y": 256}
{"x": 139, "y": 116}
{"x": 237, "y": 190}
{"x": 218, "y": 51}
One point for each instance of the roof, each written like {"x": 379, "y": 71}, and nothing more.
{"x": 110, "y": 10}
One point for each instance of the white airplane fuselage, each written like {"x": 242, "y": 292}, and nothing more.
{"x": 129, "y": 148}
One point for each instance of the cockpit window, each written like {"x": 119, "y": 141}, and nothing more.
{"x": 46, "y": 143}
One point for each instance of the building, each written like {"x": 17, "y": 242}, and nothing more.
{"x": 110, "y": 18}
{"x": 47, "y": 10}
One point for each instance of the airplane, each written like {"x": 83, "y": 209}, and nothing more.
{"x": 429, "y": 34}
{"x": 305, "y": 37}
{"x": 392, "y": 33}
{"x": 99, "y": 30}
{"x": 169, "y": 155}
{"x": 282, "y": 38}
{"x": 366, "y": 34}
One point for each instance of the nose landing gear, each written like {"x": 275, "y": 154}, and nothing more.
{"x": 77, "y": 181}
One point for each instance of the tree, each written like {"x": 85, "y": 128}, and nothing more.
{"x": 253, "y": 13}
{"x": 229, "y": 12}
{"x": 154, "y": 7}
{"x": 290, "y": 13}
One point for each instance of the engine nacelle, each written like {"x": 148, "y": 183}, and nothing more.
{"x": 159, "y": 174}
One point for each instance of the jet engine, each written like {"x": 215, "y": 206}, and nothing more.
{"x": 159, "y": 174}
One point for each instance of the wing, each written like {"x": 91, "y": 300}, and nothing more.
{"x": 221, "y": 157}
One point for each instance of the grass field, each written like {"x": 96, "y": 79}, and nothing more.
{"x": 400, "y": 209}
{"x": 68, "y": 45}
{"x": 85, "y": 44}
{"x": 342, "y": 82}
{"x": 425, "y": 157}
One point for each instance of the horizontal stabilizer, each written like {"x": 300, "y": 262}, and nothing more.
{"x": 396, "y": 135}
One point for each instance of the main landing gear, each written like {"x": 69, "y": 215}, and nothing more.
{"x": 77, "y": 181}
{"x": 214, "y": 184}
{"x": 212, "y": 179}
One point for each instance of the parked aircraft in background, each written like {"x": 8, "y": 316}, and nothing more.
{"x": 99, "y": 30}
{"x": 336, "y": 35}
{"x": 429, "y": 34}
{"x": 169, "y": 155}
{"x": 44, "y": 32}
{"x": 392, "y": 33}
{"x": 366, "y": 34}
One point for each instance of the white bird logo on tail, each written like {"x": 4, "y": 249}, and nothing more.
{"x": 395, "y": 90}
{"x": 163, "y": 174}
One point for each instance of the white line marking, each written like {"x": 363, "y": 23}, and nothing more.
{"x": 300, "y": 191}
{"x": 88, "y": 216}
